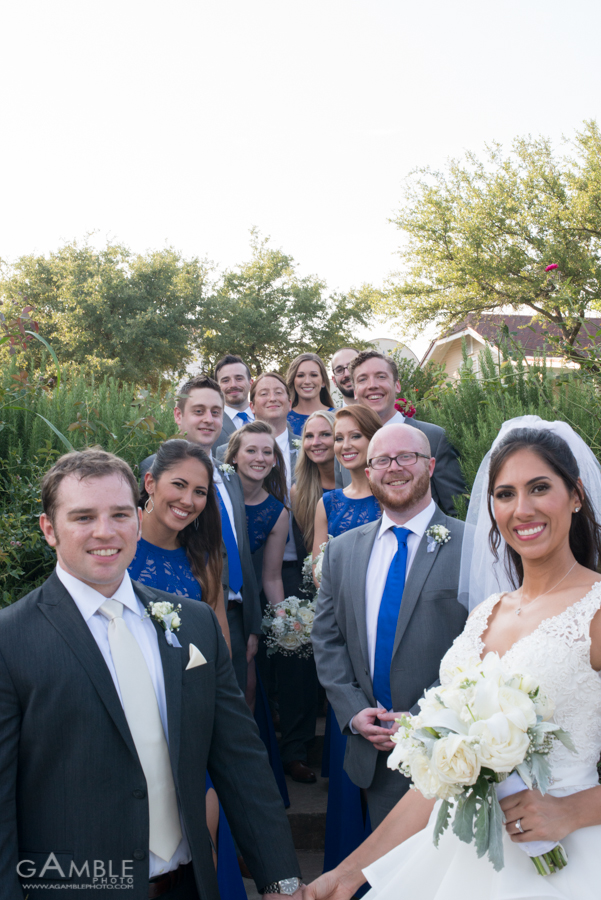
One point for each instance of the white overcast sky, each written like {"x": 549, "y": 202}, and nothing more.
{"x": 186, "y": 122}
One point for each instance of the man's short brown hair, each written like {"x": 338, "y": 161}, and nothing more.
{"x": 199, "y": 381}
{"x": 373, "y": 354}
{"x": 91, "y": 463}
{"x": 255, "y": 384}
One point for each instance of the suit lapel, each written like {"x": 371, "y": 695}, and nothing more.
{"x": 293, "y": 454}
{"x": 420, "y": 569}
{"x": 364, "y": 542}
{"x": 172, "y": 674}
{"x": 59, "y": 608}
{"x": 234, "y": 489}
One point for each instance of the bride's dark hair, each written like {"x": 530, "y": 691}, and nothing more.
{"x": 585, "y": 532}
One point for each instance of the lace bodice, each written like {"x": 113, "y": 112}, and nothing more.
{"x": 557, "y": 653}
{"x": 345, "y": 513}
{"x": 260, "y": 520}
{"x": 165, "y": 570}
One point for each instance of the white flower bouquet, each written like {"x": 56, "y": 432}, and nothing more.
{"x": 287, "y": 626}
{"x": 309, "y": 563}
{"x": 484, "y": 735}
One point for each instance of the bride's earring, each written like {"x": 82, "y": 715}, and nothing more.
{"x": 577, "y": 509}
{"x": 148, "y": 508}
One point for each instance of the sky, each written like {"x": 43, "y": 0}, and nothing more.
{"x": 186, "y": 123}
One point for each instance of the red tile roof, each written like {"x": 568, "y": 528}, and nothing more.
{"x": 532, "y": 334}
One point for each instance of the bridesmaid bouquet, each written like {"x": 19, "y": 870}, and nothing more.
{"x": 483, "y": 736}
{"x": 308, "y": 568}
{"x": 288, "y": 625}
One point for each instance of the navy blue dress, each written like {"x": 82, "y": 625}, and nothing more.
{"x": 346, "y": 826}
{"x": 260, "y": 520}
{"x": 297, "y": 420}
{"x": 169, "y": 570}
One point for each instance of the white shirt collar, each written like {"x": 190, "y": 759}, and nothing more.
{"x": 232, "y": 413}
{"x": 417, "y": 524}
{"x": 283, "y": 439}
{"x": 88, "y": 600}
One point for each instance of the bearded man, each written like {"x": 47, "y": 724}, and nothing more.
{"x": 388, "y": 610}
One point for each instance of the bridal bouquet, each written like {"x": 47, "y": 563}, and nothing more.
{"x": 288, "y": 626}
{"x": 481, "y": 737}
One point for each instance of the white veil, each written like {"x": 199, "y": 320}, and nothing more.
{"x": 480, "y": 574}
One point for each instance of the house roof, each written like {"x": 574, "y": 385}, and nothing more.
{"x": 531, "y": 333}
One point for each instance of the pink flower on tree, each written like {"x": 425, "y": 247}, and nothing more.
{"x": 551, "y": 267}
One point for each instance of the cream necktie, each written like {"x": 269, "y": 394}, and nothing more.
{"x": 144, "y": 720}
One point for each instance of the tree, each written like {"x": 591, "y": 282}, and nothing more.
{"x": 481, "y": 236}
{"x": 264, "y": 312}
{"x": 110, "y": 311}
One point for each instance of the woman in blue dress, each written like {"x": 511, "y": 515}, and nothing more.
{"x": 258, "y": 460}
{"x": 180, "y": 552}
{"x": 308, "y": 385}
{"x": 347, "y": 822}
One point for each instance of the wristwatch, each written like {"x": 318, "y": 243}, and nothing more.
{"x": 285, "y": 886}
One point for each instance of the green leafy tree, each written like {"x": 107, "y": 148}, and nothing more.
{"x": 111, "y": 311}
{"x": 266, "y": 313}
{"x": 480, "y": 236}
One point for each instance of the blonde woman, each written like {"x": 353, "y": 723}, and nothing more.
{"x": 314, "y": 471}
{"x": 308, "y": 385}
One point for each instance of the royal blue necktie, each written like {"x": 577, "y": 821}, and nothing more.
{"x": 229, "y": 539}
{"x": 388, "y": 617}
{"x": 244, "y": 416}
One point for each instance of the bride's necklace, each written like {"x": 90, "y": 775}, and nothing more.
{"x": 519, "y": 609}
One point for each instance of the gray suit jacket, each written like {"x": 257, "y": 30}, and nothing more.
{"x": 227, "y": 429}
{"x": 72, "y": 783}
{"x": 429, "y": 620}
{"x": 250, "y": 592}
{"x": 447, "y": 480}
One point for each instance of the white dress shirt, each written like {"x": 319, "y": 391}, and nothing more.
{"x": 397, "y": 419}
{"x": 88, "y": 601}
{"x": 283, "y": 441}
{"x": 384, "y": 548}
{"x": 227, "y": 501}
{"x": 233, "y": 414}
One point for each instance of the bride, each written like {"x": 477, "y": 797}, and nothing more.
{"x": 539, "y": 487}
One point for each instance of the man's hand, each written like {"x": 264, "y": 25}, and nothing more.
{"x": 251, "y": 650}
{"x": 328, "y": 887}
{"x": 365, "y": 723}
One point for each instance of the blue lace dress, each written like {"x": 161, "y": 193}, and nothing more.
{"x": 260, "y": 521}
{"x": 346, "y": 825}
{"x": 169, "y": 570}
{"x": 297, "y": 421}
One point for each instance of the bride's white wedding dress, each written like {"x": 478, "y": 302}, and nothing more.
{"x": 558, "y": 654}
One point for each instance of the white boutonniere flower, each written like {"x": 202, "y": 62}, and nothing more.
{"x": 297, "y": 443}
{"x": 167, "y": 615}
{"x": 437, "y": 534}
{"x": 226, "y": 470}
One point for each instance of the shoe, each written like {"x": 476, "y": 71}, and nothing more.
{"x": 298, "y": 771}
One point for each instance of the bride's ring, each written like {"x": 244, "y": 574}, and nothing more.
{"x": 518, "y": 825}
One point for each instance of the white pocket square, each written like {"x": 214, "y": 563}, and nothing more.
{"x": 196, "y": 658}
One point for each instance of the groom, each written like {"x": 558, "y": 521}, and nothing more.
{"x": 107, "y": 728}
{"x": 387, "y": 610}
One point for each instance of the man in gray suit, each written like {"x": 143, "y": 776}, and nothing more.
{"x": 199, "y": 417}
{"x": 233, "y": 377}
{"x": 109, "y": 724}
{"x": 376, "y": 385}
{"x": 378, "y": 642}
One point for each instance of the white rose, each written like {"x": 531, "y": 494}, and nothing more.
{"x": 502, "y": 746}
{"x": 544, "y": 706}
{"x": 306, "y": 616}
{"x": 175, "y": 621}
{"x": 289, "y": 641}
{"x": 427, "y": 781}
{"x": 455, "y": 760}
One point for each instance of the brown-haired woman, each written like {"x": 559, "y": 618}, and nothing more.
{"x": 308, "y": 384}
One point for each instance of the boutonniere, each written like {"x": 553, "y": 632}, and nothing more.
{"x": 437, "y": 534}
{"x": 167, "y": 615}
{"x": 297, "y": 443}
{"x": 226, "y": 470}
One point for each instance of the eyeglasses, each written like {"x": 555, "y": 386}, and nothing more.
{"x": 403, "y": 459}
{"x": 340, "y": 370}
